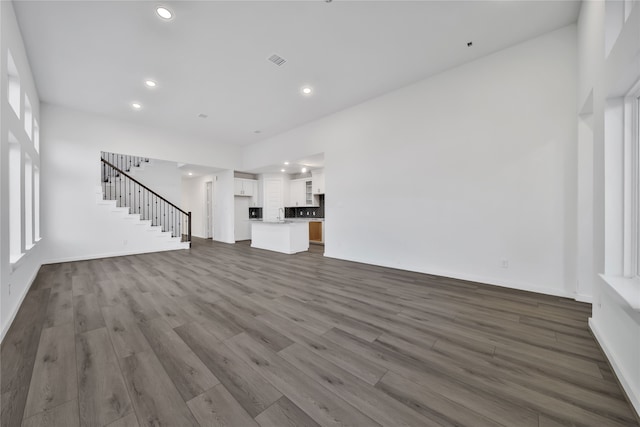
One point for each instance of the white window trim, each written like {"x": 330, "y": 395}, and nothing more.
{"x": 634, "y": 266}
{"x": 627, "y": 286}
{"x": 631, "y": 226}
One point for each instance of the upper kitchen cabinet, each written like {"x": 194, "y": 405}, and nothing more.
{"x": 300, "y": 193}
{"x": 297, "y": 192}
{"x": 318, "y": 181}
{"x": 245, "y": 187}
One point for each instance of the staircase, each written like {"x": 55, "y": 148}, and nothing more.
{"x": 163, "y": 221}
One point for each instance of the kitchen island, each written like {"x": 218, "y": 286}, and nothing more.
{"x": 280, "y": 236}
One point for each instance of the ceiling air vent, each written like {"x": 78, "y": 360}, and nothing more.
{"x": 278, "y": 60}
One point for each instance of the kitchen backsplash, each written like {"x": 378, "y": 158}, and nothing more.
{"x": 308, "y": 212}
{"x": 302, "y": 213}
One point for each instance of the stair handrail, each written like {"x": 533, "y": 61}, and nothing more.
{"x": 188, "y": 214}
{"x": 144, "y": 186}
{"x": 124, "y": 161}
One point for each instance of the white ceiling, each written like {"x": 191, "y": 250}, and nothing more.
{"x": 294, "y": 166}
{"x": 196, "y": 171}
{"x": 212, "y": 57}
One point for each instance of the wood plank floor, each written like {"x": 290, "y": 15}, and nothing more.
{"x": 227, "y": 335}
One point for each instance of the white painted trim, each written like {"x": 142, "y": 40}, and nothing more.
{"x": 107, "y": 255}
{"x": 632, "y": 395}
{"x": 628, "y": 288}
{"x": 19, "y": 304}
{"x": 583, "y": 298}
{"x": 474, "y": 278}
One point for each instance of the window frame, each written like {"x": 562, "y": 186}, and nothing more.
{"x": 631, "y": 165}
{"x": 635, "y": 183}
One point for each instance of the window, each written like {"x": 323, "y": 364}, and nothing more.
{"x": 14, "y": 85}
{"x": 635, "y": 185}
{"x": 23, "y": 166}
{"x": 15, "y": 200}
{"x": 36, "y": 136}
{"x": 28, "y": 202}
{"x": 631, "y": 168}
{"x": 36, "y": 203}
{"x": 28, "y": 117}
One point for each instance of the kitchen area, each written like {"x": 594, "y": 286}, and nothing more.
{"x": 282, "y": 212}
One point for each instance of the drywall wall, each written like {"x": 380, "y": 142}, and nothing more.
{"x": 464, "y": 172}
{"x": 71, "y": 156}
{"x": 163, "y": 177}
{"x": 15, "y": 279}
{"x": 223, "y": 207}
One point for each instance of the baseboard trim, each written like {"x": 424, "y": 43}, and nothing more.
{"x": 633, "y": 396}
{"x": 583, "y": 298}
{"x": 106, "y": 255}
{"x": 27, "y": 288}
{"x": 473, "y": 278}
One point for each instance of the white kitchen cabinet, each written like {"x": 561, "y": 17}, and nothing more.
{"x": 296, "y": 192}
{"x": 288, "y": 238}
{"x": 256, "y": 200}
{"x": 308, "y": 193}
{"x": 318, "y": 181}
{"x": 245, "y": 187}
{"x": 300, "y": 193}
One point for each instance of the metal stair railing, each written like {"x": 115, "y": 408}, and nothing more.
{"x": 128, "y": 192}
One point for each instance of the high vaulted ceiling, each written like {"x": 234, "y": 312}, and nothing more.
{"x": 212, "y": 57}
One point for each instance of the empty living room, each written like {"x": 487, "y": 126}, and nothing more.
{"x": 320, "y": 213}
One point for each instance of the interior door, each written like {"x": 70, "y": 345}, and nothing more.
{"x": 209, "y": 209}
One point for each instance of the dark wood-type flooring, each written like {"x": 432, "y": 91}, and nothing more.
{"x": 234, "y": 336}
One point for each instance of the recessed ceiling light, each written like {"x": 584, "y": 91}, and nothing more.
{"x": 306, "y": 90}
{"x": 190, "y": 173}
{"x": 136, "y": 106}
{"x": 281, "y": 170}
{"x": 150, "y": 83}
{"x": 203, "y": 116}
{"x": 304, "y": 170}
{"x": 286, "y": 163}
{"x": 164, "y": 13}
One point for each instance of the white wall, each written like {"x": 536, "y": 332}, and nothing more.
{"x": 14, "y": 280}
{"x": 163, "y": 177}
{"x": 223, "y": 207}
{"x": 72, "y": 158}
{"x": 458, "y": 172}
